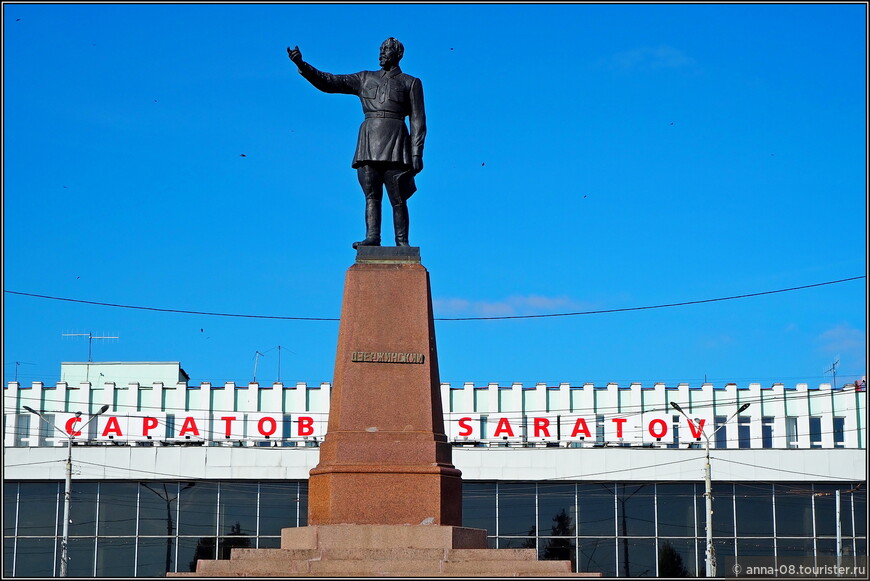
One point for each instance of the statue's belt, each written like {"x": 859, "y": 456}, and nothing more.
{"x": 384, "y": 114}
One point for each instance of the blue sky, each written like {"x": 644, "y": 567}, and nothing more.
{"x": 579, "y": 158}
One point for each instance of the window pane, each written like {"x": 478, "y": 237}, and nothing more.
{"x": 721, "y": 431}
{"x": 157, "y": 510}
{"x": 8, "y": 557}
{"x": 636, "y": 510}
{"x": 556, "y": 509}
{"x": 192, "y": 550}
{"x": 116, "y": 557}
{"x": 36, "y": 558}
{"x": 677, "y": 558}
{"x": 637, "y": 557}
{"x": 754, "y": 510}
{"x": 827, "y": 547}
{"x": 10, "y": 500}
{"x": 794, "y": 547}
{"x": 269, "y": 542}
{"x": 597, "y": 556}
{"x": 303, "y": 503}
{"x": 676, "y": 509}
{"x": 791, "y": 431}
{"x": 478, "y": 506}
{"x": 198, "y": 512}
{"x": 516, "y": 509}
{"x": 794, "y": 511}
{"x": 230, "y": 542}
{"x": 596, "y": 510}
{"x": 155, "y": 557}
{"x": 278, "y": 505}
{"x": 82, "y": 511}
{"x": 516, "y": 543}
{"x": 767, "y": 432}
{"x": 826, "y": 509}
{"x": 558, "y": 549}
{"x": 839, "y": 429}
{"x": 118, "y": 510}
{"x": 237, "y": 512}
{"x": 758, "y": 547}
{"x": 37, "y": 511}
{"x": 743, "y": 436}
{"x": 860, "y": 500}
{"x": 81, "y": 557}
{"x": 816, "y": 432}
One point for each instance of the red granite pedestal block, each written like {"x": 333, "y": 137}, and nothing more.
{"x": 385, "y": 458}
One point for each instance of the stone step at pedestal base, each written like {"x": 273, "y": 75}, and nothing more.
{"x": 383, "y": 551}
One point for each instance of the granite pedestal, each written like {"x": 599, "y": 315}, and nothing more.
{"x": 385, "y": 498}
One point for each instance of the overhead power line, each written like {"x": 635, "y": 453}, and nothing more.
{"x": 599, "y": 312}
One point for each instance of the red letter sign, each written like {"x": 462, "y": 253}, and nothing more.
{"x": 70, "y": 427}
{"x": 580, "y": 427}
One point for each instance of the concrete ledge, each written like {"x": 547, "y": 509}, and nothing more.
{"x": 387, "y": 254}
{"x": 382, "y": 537}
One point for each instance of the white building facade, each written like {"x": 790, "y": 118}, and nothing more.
{"x": 609, "y": 476}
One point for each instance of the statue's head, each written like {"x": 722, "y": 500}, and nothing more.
{"x": 391, "y": 52}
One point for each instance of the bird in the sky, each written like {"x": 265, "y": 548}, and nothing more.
{"x": 242, "y": 155}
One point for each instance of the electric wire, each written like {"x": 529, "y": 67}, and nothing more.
{"x": 569, "y": 314}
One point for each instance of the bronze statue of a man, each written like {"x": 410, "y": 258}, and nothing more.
{"x": 387, "y": 154}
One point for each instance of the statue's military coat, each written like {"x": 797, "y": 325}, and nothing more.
{"x": 387, "y": 98}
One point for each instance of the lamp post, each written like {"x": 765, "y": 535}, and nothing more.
{"x": 710, "y": 553}
{"x": 67, "y": 493}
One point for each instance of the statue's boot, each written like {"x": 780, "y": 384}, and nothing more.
{"x": 373, "y": 224}
{"x": 400, "y": 222}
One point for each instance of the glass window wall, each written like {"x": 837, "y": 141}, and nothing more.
{"x": 621, "y": 529}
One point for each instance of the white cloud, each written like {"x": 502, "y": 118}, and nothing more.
{"x": 514, "y": 305}
{"x": 846, "y": 343}
{"x": 659, "y": 57}
{"x": 842, "y": 338}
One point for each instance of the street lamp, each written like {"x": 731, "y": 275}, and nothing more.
{"x": 67, "y": 493}
{"x": 708, "y": 488}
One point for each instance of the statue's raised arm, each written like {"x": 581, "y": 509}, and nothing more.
{"x": 295, "y": 54}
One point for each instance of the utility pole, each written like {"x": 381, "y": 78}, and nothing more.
{"x": 67, "y": 493}
{"x": 710, "y": 553}
{"x": 257, "y": 355}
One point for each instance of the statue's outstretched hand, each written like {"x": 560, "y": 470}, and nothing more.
{"x": 295, "y": 54}
{"x": 417, "y": 164}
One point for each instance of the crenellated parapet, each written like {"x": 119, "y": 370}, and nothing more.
{"x": 779, "y": 415}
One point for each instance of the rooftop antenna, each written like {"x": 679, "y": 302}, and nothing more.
{"x": 279, "y": 364}
{"x": 17, "y": 363}
{"x": 833, "y": 370}
{"x": 90, "y": 335}
{"x": 257, "y": 355}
